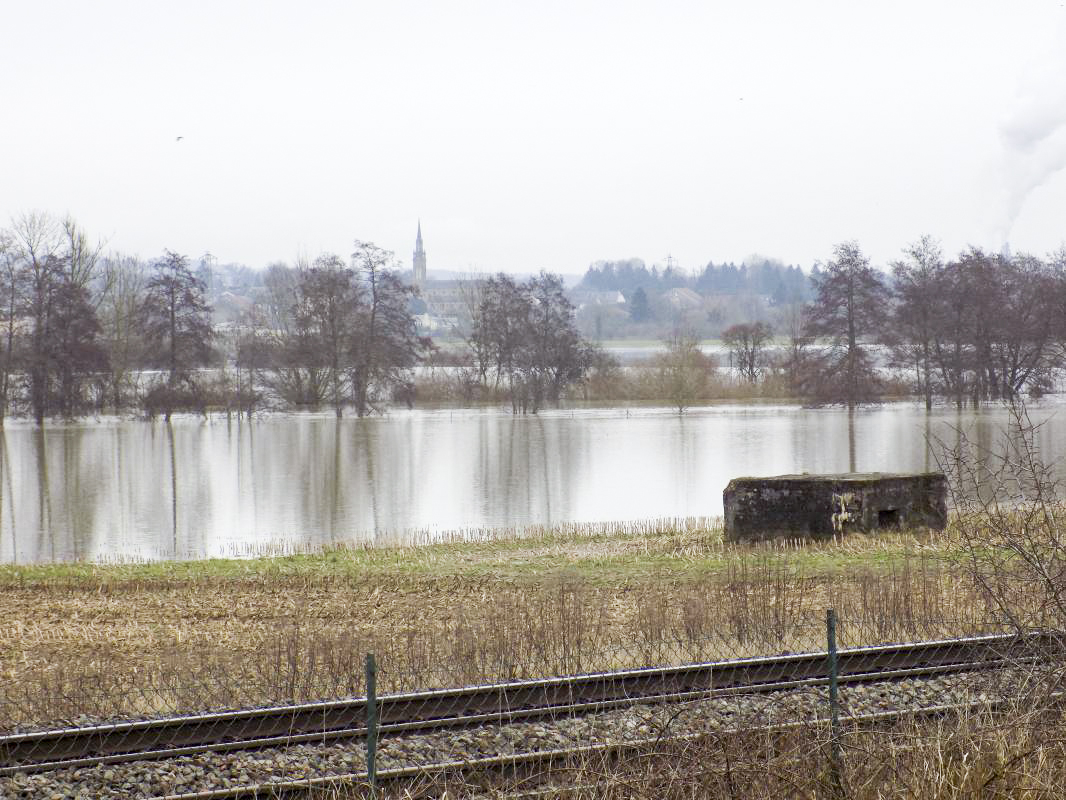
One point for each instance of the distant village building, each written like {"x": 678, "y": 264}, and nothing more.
{"x": 229, "y": 308}
{"x": 419, "y": 260}
{"x": 683, "y": 299}
{"x": 449, "y": 300}
{"x": 582, "y": 298}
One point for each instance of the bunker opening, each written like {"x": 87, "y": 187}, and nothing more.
{"x": 888, "y": 518}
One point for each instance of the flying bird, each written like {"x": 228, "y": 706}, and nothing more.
{"x": 179, "y": 138}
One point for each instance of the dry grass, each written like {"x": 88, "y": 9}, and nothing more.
{"x": 1014, "y": 753}
{"x": 152, "y": 639}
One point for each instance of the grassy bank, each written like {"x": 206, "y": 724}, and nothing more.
{"x": 690, "y": 548}
{"x": 155, "y": 638}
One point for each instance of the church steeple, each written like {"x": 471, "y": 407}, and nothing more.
{"x": 419, "y": 261}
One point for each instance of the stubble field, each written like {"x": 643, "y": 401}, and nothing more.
{"x": 129, "y": 640}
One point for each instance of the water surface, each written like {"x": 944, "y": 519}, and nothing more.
{"x": 116, "y": 489}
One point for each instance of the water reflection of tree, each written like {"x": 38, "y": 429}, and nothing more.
{"x": 928, "y": 465}
{"x": 335, "y": 479}
{"x": 543, "y": 436}
{"x": 511, "y": 482}
{"x": 974, "y": 453}
{"x": 852, "y": 462}
{"x": 5, "y": 477}
{"x": 173, "y": 489}
{"x": 45, "y": 540}
{"x": 77, "y": 502}
{"x": 687, "y": 444}
{"x": 367, "y": 441}
{"x": 246, "y": 476}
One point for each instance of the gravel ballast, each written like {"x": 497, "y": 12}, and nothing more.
{"x": 209, "y": 771}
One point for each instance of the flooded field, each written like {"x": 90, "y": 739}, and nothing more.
{"x": 127, "y": 489}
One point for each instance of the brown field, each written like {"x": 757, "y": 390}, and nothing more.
{"x": 102, "y": 641}
{"x": 83, "y": 641}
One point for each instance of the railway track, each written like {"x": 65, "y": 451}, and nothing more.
{"x": 426, "y": 780}
{"x": 506, "y": 703}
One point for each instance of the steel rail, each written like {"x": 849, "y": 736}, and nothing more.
{"x": 518, "y": 715}
{"x": 320, "y": 722}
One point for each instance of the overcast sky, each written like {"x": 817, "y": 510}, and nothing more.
{"x": 539, "y": 134}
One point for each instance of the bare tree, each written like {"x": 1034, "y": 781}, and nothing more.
{"x": 49, "y": 266}
{"x": 177, "y": 328}
{"x": 73, "y": 351}
{"x": 37, "y": 242}
{"x": 952, "y": 345}
{"x": 747, "y": 347}
{"x": 325, "y": 317}
{"x": 331, "y": 331}
{"x": 82, "y": 258}
{"x": 525, "y": 335}
{"x": 499, "y": 327}
{"x": 917, "y": 312}
{"x": 1024, "y": 331}
{"x": 279, "y": 296}
{"x": 987, "y": 290}
{"x": 850, "y": 307}
{"x": 385, "y": 345}
{"x": 683, "y": 370}
{"x": 294, "y": 368}
{"x": 797, "y": 356}
{"x": 252, "y": 356}
{"x": 123, "y": 281}
{"x": 995, "y": 324}
{"x": 9, "y": 274}
{"x": 555, "y": 354}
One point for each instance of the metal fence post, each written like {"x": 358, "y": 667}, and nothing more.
{"x": 836, "y": 749}
{"x": 371, "y": 724}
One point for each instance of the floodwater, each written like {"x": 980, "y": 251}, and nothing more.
{"x": 114, "y": 489}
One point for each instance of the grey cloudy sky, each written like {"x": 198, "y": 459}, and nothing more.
{"x": 538, "y": 135}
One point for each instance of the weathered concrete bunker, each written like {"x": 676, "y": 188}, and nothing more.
{"x": 821, "y": 506}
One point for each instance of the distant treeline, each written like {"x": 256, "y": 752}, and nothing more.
{"x": 976, "y": 327}
{"x": 83, "y": 331}
{"x": 782, "y": 284}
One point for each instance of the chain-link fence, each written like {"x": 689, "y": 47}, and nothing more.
{"x": 503, "y": 633}
{"x": 603, "y": 716}
{"x": 301, "y": 666}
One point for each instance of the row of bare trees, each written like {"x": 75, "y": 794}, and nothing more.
{"x": 78, "y": 325}
{"x": 330, "y": 333}
{"x": 980, "y": 326}
{"x": 523, "y": 338}
{"x": 84, "y": 331}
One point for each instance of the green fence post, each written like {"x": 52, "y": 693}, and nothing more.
{"x": 371, "y": 724}
{"x": 836, "y": 748}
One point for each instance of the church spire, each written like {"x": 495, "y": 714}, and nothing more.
{"x": 419, "y": 261}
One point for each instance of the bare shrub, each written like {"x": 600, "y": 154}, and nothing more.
{"x": 1012, "y": 521}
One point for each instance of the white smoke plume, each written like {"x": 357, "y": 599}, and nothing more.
{"x": 1034, "y": 134}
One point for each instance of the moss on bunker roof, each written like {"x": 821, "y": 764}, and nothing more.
{"x": 840, "y": 477}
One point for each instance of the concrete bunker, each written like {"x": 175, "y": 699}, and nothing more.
{"x": 822, "y": 506}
